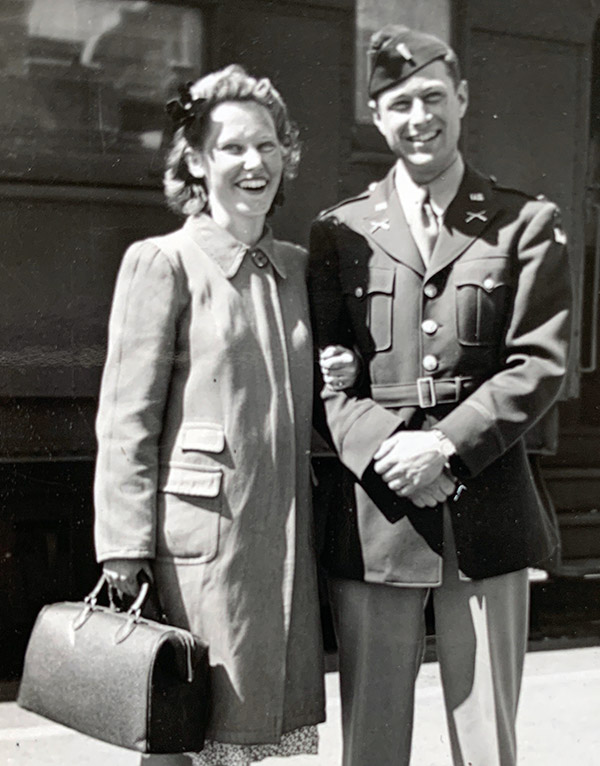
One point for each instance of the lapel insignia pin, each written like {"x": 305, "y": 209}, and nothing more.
{"x": 476, "y": 215}
{"x": 476, "y": 197}
{"x": 404, "y": 51}
{"x": 375, "y": 225}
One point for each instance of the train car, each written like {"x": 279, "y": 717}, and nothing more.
{"x": 82, "y": 131}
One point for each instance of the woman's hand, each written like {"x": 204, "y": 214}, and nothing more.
{"x": 339, "y": 366}
{"x": 122, "y": 574}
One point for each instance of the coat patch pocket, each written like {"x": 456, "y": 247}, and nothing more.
{"x": 189, "y": 513}
{"x": 482, "y": 290}
{"x": 372, "y": 301}
{"x": 203, "y": 437}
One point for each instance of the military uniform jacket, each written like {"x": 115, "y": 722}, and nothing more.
{"x": 489, "y": 317}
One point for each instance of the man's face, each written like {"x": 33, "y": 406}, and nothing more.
{"x": 420, "y": 120}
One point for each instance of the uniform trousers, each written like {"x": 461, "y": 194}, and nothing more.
{"x": 481, "y": 639}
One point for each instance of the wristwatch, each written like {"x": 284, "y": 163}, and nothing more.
{"x": 446, "y": 446}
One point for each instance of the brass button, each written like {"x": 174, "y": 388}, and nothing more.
{"x": 431, "y": 290}
{"x": 429, "y": 326}
{"x": 359, "y": 292}
{"x": 259, "y": 258}
{"x": 430, "y": 363}
{"x": 489, "y": 283}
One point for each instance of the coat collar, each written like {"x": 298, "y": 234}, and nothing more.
{"x": 386, "y": 223}
{"x": 467, "y": 217}
{"x": 227, "y": 251}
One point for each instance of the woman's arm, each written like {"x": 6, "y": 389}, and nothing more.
{"x": 133, "y": 394}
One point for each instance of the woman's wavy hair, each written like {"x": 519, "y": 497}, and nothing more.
{"x": 186, "y": 194}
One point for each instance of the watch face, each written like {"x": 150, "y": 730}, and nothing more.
{"x": 448, "y": 449}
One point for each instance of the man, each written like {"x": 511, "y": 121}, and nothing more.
{"x": 455, "y": 294}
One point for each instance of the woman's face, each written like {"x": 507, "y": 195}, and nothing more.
{"x": 241, "y": 159}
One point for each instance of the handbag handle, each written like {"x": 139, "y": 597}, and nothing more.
{"x": 91, "y": 603}
{"x": 134, "y": 614}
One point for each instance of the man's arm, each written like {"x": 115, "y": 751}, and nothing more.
{"x": 358, "y": 426}
{"x": 500, "y": 411}
{"x": 503, "y": 408}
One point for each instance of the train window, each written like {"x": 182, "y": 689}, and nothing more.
{"x": 83, "y": 85}
{"x": 428, "y": 15}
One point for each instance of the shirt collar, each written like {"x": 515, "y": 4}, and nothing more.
{"x": 227, "y": 251}
{"x": 442, "y": 190}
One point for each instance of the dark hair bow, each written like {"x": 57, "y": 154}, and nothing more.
{"x": 184, "y": 110}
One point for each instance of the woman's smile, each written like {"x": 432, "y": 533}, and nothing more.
{"x": 241, "y": 161}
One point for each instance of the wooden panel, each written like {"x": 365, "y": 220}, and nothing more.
{"x": 527, "y": 126}
{"x": 549, "y": 19}
{"x": 523, "y": 116}
{"x": 59, "y": 262}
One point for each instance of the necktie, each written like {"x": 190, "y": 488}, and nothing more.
{"x": 427, "y": 227}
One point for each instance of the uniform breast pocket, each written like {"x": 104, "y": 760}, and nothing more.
{"x": 482, "y": 293}
{"x": 371, "y": 305}
{"x": 189, "y": 513}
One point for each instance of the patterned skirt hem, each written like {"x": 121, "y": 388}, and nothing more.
{"x": 303, "y": 741}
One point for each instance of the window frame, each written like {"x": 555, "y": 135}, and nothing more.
{"x": 45, "y": 164}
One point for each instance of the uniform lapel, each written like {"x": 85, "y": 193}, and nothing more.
{"x": 469, "y": 215}
{"x": 386, "y": 224}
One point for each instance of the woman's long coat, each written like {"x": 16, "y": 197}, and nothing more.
{"x": 203, "y": 429}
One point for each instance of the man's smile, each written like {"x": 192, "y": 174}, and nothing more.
{"x": 424, "y": 138}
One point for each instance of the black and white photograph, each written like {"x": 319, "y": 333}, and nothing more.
{"x": 300, "y": 382}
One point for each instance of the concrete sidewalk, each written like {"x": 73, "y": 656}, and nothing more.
{"x": 559, "y": 723}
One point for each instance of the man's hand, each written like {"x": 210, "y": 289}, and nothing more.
{"x": 339, "y": 366}
{"x": 409, "y": 460}
{"x": 436, "y": 492}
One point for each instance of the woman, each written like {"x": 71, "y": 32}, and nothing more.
{"x": 204, "y": 424}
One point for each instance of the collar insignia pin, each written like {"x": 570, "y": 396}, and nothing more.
{"x": 476, "y": 197}
{"x": 381, "y": 206}
{"x": 383, "y": 224}
{"x": 477, "y": 215}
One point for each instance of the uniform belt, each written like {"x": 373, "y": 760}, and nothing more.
{"x": 425, "y": 392}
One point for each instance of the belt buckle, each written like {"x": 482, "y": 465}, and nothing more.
{"x": 426, "y": 392}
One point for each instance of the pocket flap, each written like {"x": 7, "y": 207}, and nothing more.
{"x": 191, "y": 480}
{"x": 487, "y": 273}
{"x": 206, "y": 437}
{"x": 375, "y": 280}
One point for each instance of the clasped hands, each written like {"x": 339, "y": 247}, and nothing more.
{"x": 410, "y": 462}
{"x": 413, "y": 465}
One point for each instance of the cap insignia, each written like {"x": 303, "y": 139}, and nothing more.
{"x": 404, "y": 51}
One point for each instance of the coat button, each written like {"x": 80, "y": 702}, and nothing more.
{"x": 430, "y": 362}
{"x": 431, "y": 290}
{"x": 429, "y": 326}
{"x": 359, "y": 292}
{"x": 259, "y": 258}
{"x": 489, "y": 283}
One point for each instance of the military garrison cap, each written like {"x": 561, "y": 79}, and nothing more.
{"x": 397, "y": 52}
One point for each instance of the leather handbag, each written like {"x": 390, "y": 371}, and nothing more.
{"x": 118, "y": 676}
